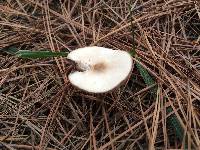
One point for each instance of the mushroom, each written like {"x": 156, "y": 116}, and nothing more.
{"x": 102, "y": 69}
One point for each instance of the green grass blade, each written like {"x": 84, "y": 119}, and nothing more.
{"x": 10, "y": 50}
{"x": 143, "y": 72}
{"x": 39, "y": 54}
{"x": 145, "y": 75}
{"x": 149, "y": 81}
{"x": 176, "y": 125}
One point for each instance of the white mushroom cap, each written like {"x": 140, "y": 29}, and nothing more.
{"x": 103, "y": 68}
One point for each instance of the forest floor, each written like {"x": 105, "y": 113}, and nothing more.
{"x": 157, "y": 108}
